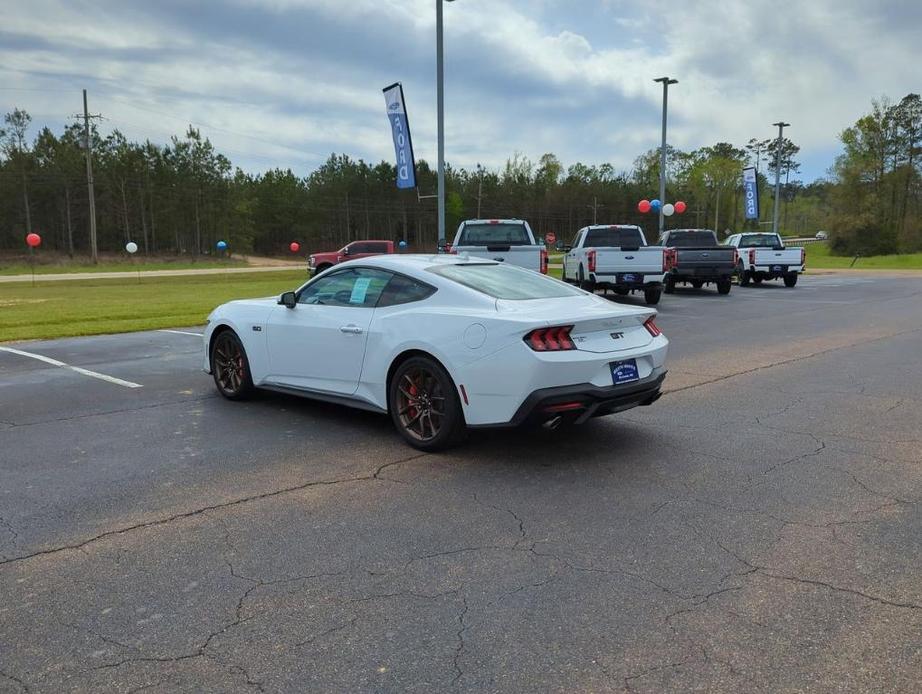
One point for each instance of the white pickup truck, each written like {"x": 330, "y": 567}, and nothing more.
{"x": 616, "y": 256}
{"x": 504, "y": 240}
{"x": 764, "y": 257}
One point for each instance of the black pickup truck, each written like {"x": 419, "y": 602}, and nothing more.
{"x": 699, "y": 259}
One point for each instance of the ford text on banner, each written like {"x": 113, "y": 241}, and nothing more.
{"x": 751, "y": 193}
{"x": 400, "y": 127}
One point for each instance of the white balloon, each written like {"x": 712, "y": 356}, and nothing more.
{"x": 131, "y": 247}
{"x": 668, "y": 209}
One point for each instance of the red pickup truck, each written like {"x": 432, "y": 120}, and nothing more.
{"x": 318, "y": 262}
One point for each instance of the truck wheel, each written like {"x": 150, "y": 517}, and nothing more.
{"x": 743, "y": 275}
{"x": 584, "y": 283}
{"x": 669, "y": 285}
{"x": 651, "y": 296}
{"x": 757, "y": 279}
{"x": 723, "y": 285}
{"x": 790, "y": 279}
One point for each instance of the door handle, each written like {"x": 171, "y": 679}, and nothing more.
{"x": 351, "y": 329}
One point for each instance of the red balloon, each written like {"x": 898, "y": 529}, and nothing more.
{"x": 33, "y": 240}
{"x": 295, "y": 246}
{"x": 644, "y": 206}
{"x": 680, "y": 207}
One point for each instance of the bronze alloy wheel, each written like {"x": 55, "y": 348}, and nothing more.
{"x": 424, "y": 405}
{"x": 421, "y": 404}
{"x": 230, "y": 366}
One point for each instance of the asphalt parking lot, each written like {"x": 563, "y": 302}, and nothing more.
{"x": 757, "y": 529}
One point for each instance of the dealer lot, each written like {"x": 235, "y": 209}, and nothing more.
{"x": 755, "y": 530}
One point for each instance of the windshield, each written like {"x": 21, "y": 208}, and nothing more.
{"x": 494, "y": 235}
{"x": 760, "y": 241}
{"x": 614, "y": 236}
{"x": 505, "y": 281}
{"x": 689, "y": 239}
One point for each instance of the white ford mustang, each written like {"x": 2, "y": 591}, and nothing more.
{"x": 441, "y": 343}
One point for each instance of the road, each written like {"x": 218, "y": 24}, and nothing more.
{"x": 757, "y": 529}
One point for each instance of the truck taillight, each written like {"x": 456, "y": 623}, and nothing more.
{"x": 752, "y": 256}
{"x": 736, "y": 257}
{"x": 543, "y": 261}
{"x": 449, "y": 249}
{"x": 651, "y": 327}
{"x": 555, "y": 339}
{"x": 590, "y": 258}
{"x": 668, "y": 259}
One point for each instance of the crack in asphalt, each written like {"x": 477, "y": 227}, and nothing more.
{"x": 512, "y": 513}
{"x": 327, "y": 632}
{"x": 213, "y": 507}
{"x": 649, "y": 671}
{"x": 88, "y": 415}
{"x": 459, "y": 649}
{"x": 13, "y": 678}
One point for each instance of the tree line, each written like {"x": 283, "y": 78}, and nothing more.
{"x": 184, "y": 196}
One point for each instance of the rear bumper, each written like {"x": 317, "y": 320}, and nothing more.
{"x": 613, "y": 280}
{"x": 770, "y": 270}
{"x": 581, "y": 402}
{"x": 701, "y": 273}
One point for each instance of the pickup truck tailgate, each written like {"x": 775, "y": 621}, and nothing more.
{"x": 647, "y": 260}
{"x": 769, "y": 256}
{"x": 528, "y": 257}
{"x": 699, "y": 258}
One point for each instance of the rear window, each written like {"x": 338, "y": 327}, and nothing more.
{"x": 505, "y": 281}
{"x": 494, "y": 235}
{"x": 760, "y": 241}
{"x": 614, "y": 236}
{"x": 689, "y": 239}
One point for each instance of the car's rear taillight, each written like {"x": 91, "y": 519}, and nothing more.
{"x": 668, "y": 259}
{"x": 590, "y": 259}
{"x": 752, "y": 256}
{"x": 555, "y": 339}
{"x": 543, "y": 261}
{"x": 651, "y": 327}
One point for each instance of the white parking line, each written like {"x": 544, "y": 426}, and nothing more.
{"x": 180, "y": 332}
{"x": 79, "y": 370}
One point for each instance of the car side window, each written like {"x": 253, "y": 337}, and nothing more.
{"x": 403, "y": 290}
{"x": 352, "y": 287}
{"x": 576, "y": 239}
{"x": 356, "y": 248}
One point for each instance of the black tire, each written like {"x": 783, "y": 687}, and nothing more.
{"x": 418, "y": 387}
{"x": 621, "y": 291}
{"x": 669, "y": 286}
{"x": 652, "y": 296}
{"x": 724, "y": 285}
{"x": 230, "y": 366}
{"x": 757, "y": 279}
{"x": 744, "y": 276}
{"x": 697, "y": 284}
{"x": 585, "y": 284}
{"x": 790, "y": 279}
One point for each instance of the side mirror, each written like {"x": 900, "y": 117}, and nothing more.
{"x": 566, "y": 248}
{"x": 346, "y": 251}
{"x": 288, "y": 300}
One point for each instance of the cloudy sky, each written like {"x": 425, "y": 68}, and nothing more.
{"x": 286, "y": 82}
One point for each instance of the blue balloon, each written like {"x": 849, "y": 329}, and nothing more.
{"x": 655, "y": 204}
{"x": 402, "y": 244}
{"x": 221, "y": 245}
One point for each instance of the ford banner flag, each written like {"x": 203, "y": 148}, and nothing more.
{"x": 400, "y": 128}
{"x": 751, "y": 193}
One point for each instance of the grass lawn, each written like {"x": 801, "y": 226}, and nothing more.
{"x": 92, "y": 307}
{"x": 818, "y": 258}
{"x": 17, "y": 267}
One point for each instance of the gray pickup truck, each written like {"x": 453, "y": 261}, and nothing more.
{"x": 699, "y": 260}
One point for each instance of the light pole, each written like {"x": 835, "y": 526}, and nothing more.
{"x": 781, "y": 125}
{"x": 440, "y": 98}
{"x": 662, "y": 155}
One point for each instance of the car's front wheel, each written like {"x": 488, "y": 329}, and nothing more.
{"x": 424, "y": 405}
{"x": 230, "y": 366}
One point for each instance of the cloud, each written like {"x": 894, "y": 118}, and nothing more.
{"x": 286, "y": 82}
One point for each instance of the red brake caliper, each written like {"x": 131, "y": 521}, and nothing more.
{"x": 414, "y": 392}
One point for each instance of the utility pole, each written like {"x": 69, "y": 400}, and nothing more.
{"x": 781, "y": 125}
{"x": 440, "y": 108}
{"x": 595, "y": 209}
{"x": 662, "y": 156}
{"x": 479, "y": 189}
{"x": 94, "y": 251}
